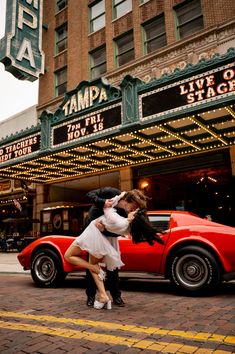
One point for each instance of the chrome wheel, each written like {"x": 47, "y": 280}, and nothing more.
{"x": 44, "y": 268}
{"x": 194, "y": 269}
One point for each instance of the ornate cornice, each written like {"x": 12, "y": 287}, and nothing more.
{"x": 190, "y": 69}
{"x": 177, "y": 56}
{"x": 21, "y": 134}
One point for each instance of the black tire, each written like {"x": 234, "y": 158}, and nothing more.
{"x": 46, "y": 269}
{"x": 194, "y": 270}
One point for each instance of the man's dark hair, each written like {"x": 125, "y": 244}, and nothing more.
{"x": 136, "y": 196}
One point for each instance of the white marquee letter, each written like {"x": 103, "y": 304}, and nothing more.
{"x": 35, "y": 3}
{"x": 26, "y": 52}
{"x": 22, "y": 20}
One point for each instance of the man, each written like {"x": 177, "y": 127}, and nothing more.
{"x": 101, "y": 199}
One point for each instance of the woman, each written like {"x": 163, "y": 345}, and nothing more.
{"x": 99, "y": 247}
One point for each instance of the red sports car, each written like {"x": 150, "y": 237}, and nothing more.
{"x": 197, "y": 255}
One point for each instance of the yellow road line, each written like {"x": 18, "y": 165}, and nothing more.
{"x": 163, "y": 347}
{"x": 130, "y": 328}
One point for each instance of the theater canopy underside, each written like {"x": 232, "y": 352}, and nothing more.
{"x": 98, "y": 128}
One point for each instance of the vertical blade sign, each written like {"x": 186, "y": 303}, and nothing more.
{"x": 20, "y": 49}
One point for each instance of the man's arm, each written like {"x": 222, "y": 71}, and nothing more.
{"x": 95, "y": 196}
{"x": 99, "y": 196}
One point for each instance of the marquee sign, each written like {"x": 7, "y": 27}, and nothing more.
{"x": 83, "y": 100}
{"x": 99, "y": 128}
{"x": 89, "y": 125}
{"x": 88, "y": 95}
{"x": 20, "y": 148}
{"x": 20, "y": 49}
{"x": 188, "y": 93}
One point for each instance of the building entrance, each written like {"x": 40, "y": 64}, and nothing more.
{"x": 208, "y": 192}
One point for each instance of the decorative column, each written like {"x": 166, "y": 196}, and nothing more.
{"x": 45, "y": 119}
{"x": 130, "y": 117}
{"x": 232, "y": 157}
{"x": 42, "y": 191}
{"x": 126, "y": 181}
{"x": 130, "y": 99}
{"x": 42, "y": 197}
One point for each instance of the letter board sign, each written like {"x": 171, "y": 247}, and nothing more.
{"x": 188, "y": 93}
{"x": 89, "y": 125}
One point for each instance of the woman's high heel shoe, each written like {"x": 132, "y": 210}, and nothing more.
{"x": 103, "y": 305}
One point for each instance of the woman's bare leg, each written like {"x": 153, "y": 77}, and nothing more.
{"x": 72, "y": 255}
{"x": 103, "y": 296}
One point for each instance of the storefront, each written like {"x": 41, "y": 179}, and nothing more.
{"x": 17, "y": 223}
{"x": 202, "y": 184}
{"x": 175, "y": 134}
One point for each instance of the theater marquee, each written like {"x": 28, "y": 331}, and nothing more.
{"x": 20, "y": 148}
{"x": 185, "y": 94}
{"x": 88, "y": 125}
{"x": 99, "y": 128}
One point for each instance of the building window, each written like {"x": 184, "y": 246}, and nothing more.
{"x": 125, "y": 49}
{"x": 143, "y": 1}
{"x": 97, "y": 16}
{"x": 189, "y": 18}
{"x": 121, "y": 7}
{"x": 61, "y": 82}
{"x": 154, "y": 35}
{"x": 98, "y": 63}
{"x": 61, "y": 4}
{"x": 61, "y": 38}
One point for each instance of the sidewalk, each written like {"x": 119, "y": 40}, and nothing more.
{"x": 9, "y": 263}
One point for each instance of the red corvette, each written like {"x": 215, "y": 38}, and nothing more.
{"x": 198, "y": 254}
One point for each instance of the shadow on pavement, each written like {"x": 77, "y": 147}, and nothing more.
{"x": 153, "y": 286}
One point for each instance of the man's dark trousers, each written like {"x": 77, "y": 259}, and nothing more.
{"x": 98, "y": 197}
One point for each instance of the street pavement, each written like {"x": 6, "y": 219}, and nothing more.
{"x": 9, "y": 263}
{"x": 154, "y": 320}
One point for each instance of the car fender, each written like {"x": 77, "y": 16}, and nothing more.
{"x": 48, "y": 244}
{"x": 192, "y": 240}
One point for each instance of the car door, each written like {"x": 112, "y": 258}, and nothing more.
{"x": 142, "y": 257}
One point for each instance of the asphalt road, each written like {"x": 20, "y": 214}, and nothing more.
{"x": 154, "y": 320}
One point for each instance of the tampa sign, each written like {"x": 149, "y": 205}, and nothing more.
{"x": 20, "y": 49}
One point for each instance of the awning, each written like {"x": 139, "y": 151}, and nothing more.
{"x": 21, "y": 221}
{"x": 187, "y": 113}
{"x": 203, "y": 132}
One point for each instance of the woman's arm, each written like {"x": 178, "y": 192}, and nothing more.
{"x": 116, "y": 223}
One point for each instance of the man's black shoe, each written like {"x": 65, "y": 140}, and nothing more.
{"x": 118, "y": 301}
{"x": 90, "y": 301}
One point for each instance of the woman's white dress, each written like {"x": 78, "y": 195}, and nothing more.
{"x": 100, "y": 246}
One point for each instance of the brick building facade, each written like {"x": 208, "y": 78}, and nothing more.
{"x": 215, "y": 36}
{"x": 184, "y": 156}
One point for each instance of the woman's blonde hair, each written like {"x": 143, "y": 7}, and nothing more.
{"x": 136, "y": 196}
